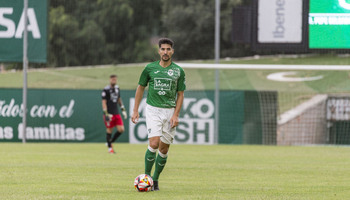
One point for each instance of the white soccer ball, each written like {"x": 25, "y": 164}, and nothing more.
{"x": 143, "y": 183}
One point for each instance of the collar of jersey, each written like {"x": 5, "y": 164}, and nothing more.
{"x": 164, "y": 67}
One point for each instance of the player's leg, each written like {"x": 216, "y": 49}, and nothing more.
{"x": 154, "y": 129}
{"x": 108, "y": 139}
{"x": 109, "y": 136}
{"x": 150, "y": 155}
{"x": 120, "y": 128}
{"x": 108, "y": 131}
{"x": 160, "y": 162}
{"x": 109, "y": 128}
{"x": 166, "y": 139}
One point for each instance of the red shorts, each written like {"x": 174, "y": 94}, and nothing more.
{"x": 115, "y": 121}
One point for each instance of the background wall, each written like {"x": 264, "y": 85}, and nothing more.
{"x": 76, "y": 116}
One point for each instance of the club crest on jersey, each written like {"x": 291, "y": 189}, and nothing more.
{"x": 170, "y": 72}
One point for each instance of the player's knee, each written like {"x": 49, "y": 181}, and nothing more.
{"x": 151, "y": 149}
{"x": 164, "y": 149}
{"x": 121, "y": 129}
{"x": 154, "y": 144}
{"x": 163, "y": 153}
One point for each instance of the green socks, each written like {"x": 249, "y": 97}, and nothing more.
{"x": 150, "y": 157}
{"x": 160, "y": 163}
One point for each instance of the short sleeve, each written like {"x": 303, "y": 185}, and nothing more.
{"x": 144, "y": 78}
{"x": 181, "y": 82}
{"x": 104, "y": 94}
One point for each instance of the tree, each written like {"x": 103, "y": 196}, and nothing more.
{"x": 62, "y": 45}
{"x": 190, "y": 24}
{"x": 128, "y": 26}
{"x": 88, "y": 32}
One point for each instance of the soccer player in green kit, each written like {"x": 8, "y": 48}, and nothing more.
{"x": 164, "y": 100}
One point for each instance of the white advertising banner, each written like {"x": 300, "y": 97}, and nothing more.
{"x": 338, "y": 109}
{"x": 280, "y": 21}
{"x": 196, "y": 125}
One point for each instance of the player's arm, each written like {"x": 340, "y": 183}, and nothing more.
{"x": 138, "y": 97}
{"x": 120, "y": 102}
{"x": 181, "y": 87}
{"x": 104, "y": 105}
{"x": 122, "y": 107}
{"x": 143, "y": 81}
{"x": 104, "y": 108}
{"x": 174, "y": 121}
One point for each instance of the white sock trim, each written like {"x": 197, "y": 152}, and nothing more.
{"x": 162, "y": 155}
{"x": 151, "y": 149}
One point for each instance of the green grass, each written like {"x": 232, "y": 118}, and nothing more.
{"x": 290, "y": 93}
{"x": 197, "y": 79}
{"x": 325, "y": 59}
{"x": 86, "y": 171}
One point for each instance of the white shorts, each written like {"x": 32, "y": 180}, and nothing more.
{"x": 158, "y": 123}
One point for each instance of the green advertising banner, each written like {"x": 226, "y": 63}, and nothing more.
{"x": 12, "y": 28}
{"x": 76, "y": 116}
{"x": 53, "y": 115}
{"x": 329, "y": 24}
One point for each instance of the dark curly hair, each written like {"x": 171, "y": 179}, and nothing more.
{"x": 165, "y": 41}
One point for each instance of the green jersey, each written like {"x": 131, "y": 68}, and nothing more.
{"x": 164, "y": 83}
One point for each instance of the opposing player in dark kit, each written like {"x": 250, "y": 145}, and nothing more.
{"x": 110, "y": 101}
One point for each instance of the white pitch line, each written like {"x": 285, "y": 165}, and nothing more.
{"x": 265, "y": 67}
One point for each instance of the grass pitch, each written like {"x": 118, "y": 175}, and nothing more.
{"x": 197, "y": 79}
{"x": 290, "y": 94}
{"x": 86, "y": 171}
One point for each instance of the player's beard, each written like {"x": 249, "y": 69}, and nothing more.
{"x": 167, "y": 58}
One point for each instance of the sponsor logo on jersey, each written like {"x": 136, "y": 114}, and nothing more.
{"x": 161, "y": 93}
{"x": 162, "y": 83}
{"x": 156, "y": 72}
{"x": 114, "y": 96}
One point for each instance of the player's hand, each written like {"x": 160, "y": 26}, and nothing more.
{"x": 108, "y": 117}
{"x": 174, "y": 121}
{"x": 125, "y": 115}
{"x": 135, "y": 117}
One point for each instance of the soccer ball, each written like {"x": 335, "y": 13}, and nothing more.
{"x": 143, "y": 183}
